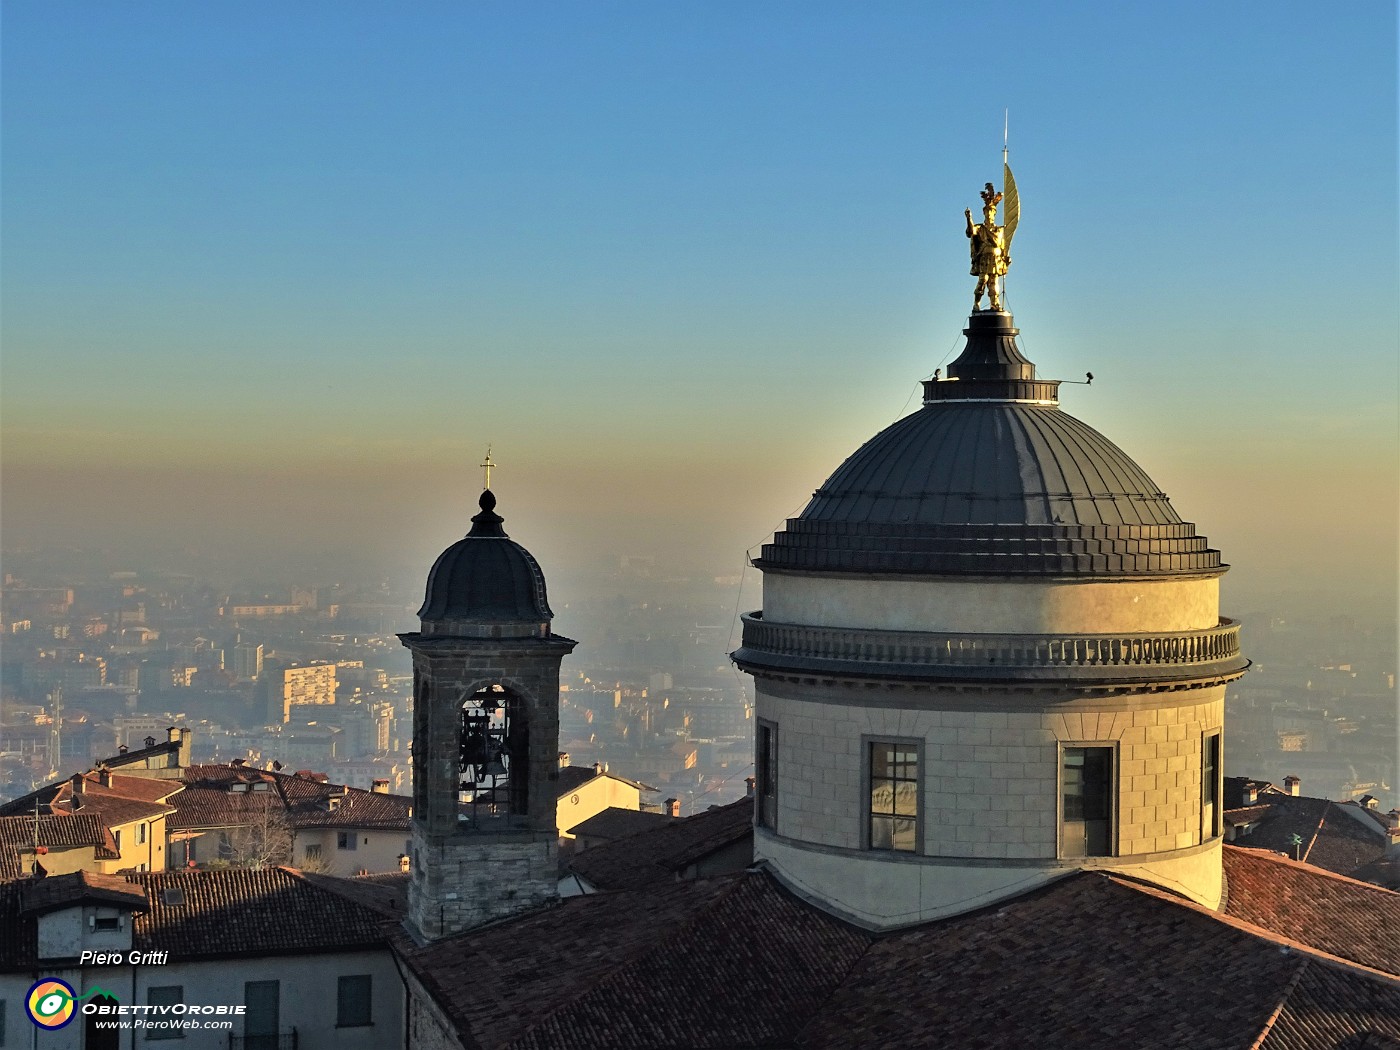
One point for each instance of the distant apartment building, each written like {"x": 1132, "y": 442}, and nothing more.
{"x": 284, "y": 686}
{"x": 69, "y": 670}
{"x": 247, "y": 662}
{"x": 260, "y": 610}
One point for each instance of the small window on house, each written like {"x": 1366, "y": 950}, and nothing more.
{"x": 345, "y": 840}
{"x": 1210, "y": 786}
{"x": 168, "y": 1026}
{"x": 141, "y": 833}
{"x": 172, "y": 896}
{"x": 313, "y": 851}
{"x": 766, "y": 775}
{"x": 893, "y": 778}
{"x": 1086, "y": 787}
{"x": 106, "y": 923}
{"x": 117, "y": 839}
{"x": 352, "y": 1001}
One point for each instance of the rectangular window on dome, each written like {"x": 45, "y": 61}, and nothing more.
{"x": 1086, "y": 794}
{"x": 1210, "y": 786}
{"x": 892, "y": 782}
{"x": 766, "y": 776}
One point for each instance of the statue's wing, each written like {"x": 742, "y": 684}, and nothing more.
{"x": 1011, "y": 204}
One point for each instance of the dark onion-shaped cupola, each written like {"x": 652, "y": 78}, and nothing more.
{"x": 486, "y": 584}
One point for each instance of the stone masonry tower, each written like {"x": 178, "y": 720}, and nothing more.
{"x": 485, "y": 735}
{"x": 990, "y": 654}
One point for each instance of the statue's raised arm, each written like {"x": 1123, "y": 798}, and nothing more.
{"x": 989, "y": 258}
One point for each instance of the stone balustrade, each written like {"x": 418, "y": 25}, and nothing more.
{"x": 1133, "y": 656}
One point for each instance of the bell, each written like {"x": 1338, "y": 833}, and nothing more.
{"x": 495, "y": 767}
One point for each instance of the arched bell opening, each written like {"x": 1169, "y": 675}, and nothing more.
{"x": 494, "y": 749}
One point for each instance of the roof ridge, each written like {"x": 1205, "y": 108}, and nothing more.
{"x": 1262, "y": 932}
{"x": 1312, "y": 869}
{"x": 1272, "y": 1020}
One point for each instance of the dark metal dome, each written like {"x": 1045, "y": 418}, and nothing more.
{"x": 486, "y": 577}
{"x": 990, "y": 477}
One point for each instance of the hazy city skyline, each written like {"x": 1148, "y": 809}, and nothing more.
{"x": 275, "y": 278}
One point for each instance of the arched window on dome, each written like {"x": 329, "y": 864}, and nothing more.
{"x": 494, "y": 751}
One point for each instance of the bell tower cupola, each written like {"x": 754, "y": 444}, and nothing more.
{"x": 485, "y": 734}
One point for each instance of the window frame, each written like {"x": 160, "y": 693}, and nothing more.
{"x": 1115, "y": 767}
{"x": 177, "y": 1031}
{"x": 766, "y": 775}
{"x": 868, "y": 814}
{"x": 367, "y": 1000}
{"x": 1212, "y": 748}
{"x": 351, "y": 837}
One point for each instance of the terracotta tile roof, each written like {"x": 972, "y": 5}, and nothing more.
{"x": 1088, "y": 962}
{"x": 141, "y": 754}
{"x": 617, "y": 823}
{"x": 571, "y": 778}
{"x": 1247, "y": 814}
{"x": 63, "y": 891}
{"x": 211, "y": 800}
{"x": 55, "y": 831}
{"x": 651, "y": 962}
{"x": 1330, "y": 837}
{"x": 384, "y": 892}
{"x": 659, "y": 854}
{"x": 113, "y": 810}
{"x": 1325, "y": 1009}
{"x": 1341, "y": 916}
{"x": 203, "y": 806}
{"x": 236, "y": 913}
{"x": 60, "y": 792}
{"x": 1343, "y": 844}
{"x": 244, "y": 911}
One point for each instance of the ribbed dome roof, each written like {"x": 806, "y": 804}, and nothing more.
{"x": 990, "y": 477}
{"x": 486, "y": 577}
{"x": 975, "y": 463}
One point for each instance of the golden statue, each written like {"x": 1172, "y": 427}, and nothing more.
{"x": 990, "y": 245}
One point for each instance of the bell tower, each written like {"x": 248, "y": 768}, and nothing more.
{"x": 485, "y": 735}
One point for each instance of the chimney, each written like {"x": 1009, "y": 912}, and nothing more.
{"x": 1392, "y": 836}
{"x": 1251, "y": 793}
{"x": 379, "y": 786}
{"x": 749, "y": 783}
{"x": 673, "y": 807}
{"x": 1294, "y": 785}
{"x": 104, "y": 777}
{"x": 77, "y": 782}
{"x": 182, "y": 736}
{"x": 597, "y": 769}
{"x": 1370, "y": 802}
{"x": 563, "y": 760}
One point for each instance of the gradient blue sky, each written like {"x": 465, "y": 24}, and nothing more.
{"x": 275, "y": 274}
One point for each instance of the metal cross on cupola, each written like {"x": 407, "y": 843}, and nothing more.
{"x": 486, "y": 466}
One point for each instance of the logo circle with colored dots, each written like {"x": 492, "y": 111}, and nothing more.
{"x": 50, "y": 1003}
